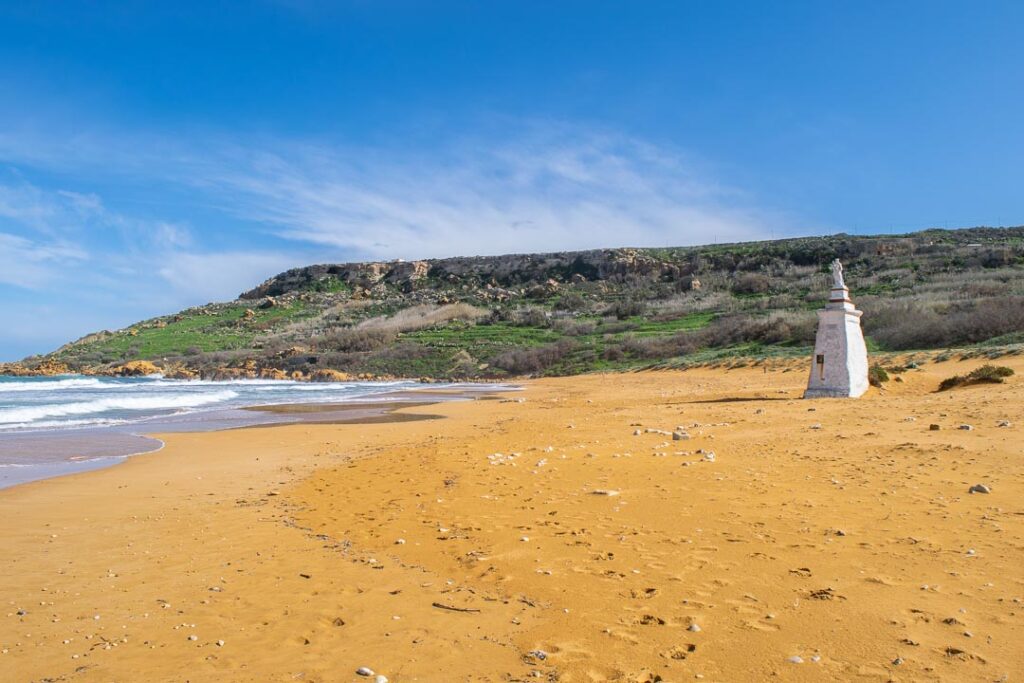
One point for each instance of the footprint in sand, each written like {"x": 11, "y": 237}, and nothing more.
{"x": 679, "y": 652}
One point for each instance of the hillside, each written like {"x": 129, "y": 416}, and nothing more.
{"x": 572, "y": 312}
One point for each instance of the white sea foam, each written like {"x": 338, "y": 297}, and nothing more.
{"x": 31, "y": 414}
{"x": 57, "y": 385}
{"x": 65, "y": 424}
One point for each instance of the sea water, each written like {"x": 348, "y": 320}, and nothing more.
{"x": 58, "y": 425}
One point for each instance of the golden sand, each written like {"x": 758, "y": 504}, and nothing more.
{"x": 838, "y": 532}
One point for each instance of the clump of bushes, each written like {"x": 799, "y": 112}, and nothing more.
{"x": 574, "y": 328}
{"x": 901, "y": 325}
{"x": 752, "y": 283}
{"x": 355, "y": 339}
{"x": 778, "y": 328}
{"x": 530, "y": 316}
{"x": 627, "y": 308}
{"x": 423, "y": 317}
{"x": 986, "y": 374}
{"x": 571, "y": 301}
{"x": 534, "y": 359}
{"x": 877, "y": 375}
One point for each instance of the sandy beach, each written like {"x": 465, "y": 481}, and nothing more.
{"x": 559, "y": 533}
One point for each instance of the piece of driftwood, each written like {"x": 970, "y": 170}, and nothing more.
{"x": 453, "y": 609}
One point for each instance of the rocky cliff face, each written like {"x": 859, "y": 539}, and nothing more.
{"x": 515, "y": 270}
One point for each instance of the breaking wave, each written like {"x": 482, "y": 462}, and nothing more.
{"x": 31, "y": 414}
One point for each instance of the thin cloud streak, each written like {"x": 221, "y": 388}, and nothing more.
{"x": 537, "y": 196}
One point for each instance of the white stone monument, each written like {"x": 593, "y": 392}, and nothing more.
{"x": 840, "y": 363}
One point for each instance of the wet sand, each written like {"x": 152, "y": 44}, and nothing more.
{"x": 536, "y": 537}
{"x": 44, "y": 454}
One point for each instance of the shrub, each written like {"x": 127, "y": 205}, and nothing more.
{"x": 877, "y": 375}
{"x": 574, "y": 328}
{"x": 901, "y": 325}
{"x": 752, "y": 283}
{"x": 627, "y": 308}
{"x": 422, "y": 317}
{"x": 534, "y": 359}
{"x": 986, "y": 374}
{"x": 355, "y": 339}
{"x": 570, "y": 301}
{"x": 772, "y": 329}
{"x": 669, "y": 346}
{"x": 531, "y": 316}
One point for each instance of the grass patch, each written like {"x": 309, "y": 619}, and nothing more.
{"x": 227, "y": 328}
{"x": 986, "y": 374}
{"x": 646, "y": 327}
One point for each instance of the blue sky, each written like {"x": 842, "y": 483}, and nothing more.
{"x": 159, "y": 155}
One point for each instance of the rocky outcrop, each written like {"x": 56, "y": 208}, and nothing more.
{"x": 180, "y": 372}
{"x": 327, "y": 375}
{"x": 136, "y": 368}
{"x": 47, "y": 367}
{"x": 504, "y": 272}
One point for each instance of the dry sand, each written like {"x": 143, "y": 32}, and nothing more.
{"x": 839, "y": 532}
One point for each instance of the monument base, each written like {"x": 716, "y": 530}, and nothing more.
{"x": 839, "y": 368}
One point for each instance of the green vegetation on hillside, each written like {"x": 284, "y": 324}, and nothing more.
{"x": 613, "y": 309}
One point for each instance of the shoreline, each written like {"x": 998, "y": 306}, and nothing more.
{"x": 136, "y": 436}
{"x": 541, "y": 533}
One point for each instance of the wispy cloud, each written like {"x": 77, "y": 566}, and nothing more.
{"x": 138, "y": 226}
{"x": 540, "y": 187}
{"x": 550, "y": 192}
{"x": 213, "y": 276}
{"x": 30, "y": 264}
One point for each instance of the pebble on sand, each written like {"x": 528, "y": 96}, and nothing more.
{"x": 605, "y": 492}
{"x": 364, "y": 671}
{"x": 979, "y": 488}
{"x": 795, "y": 660}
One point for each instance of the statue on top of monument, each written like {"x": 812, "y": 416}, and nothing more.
{"x": 837, "y": 275}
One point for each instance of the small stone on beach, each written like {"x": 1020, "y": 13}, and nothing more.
{"x": 979, "y": 488}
